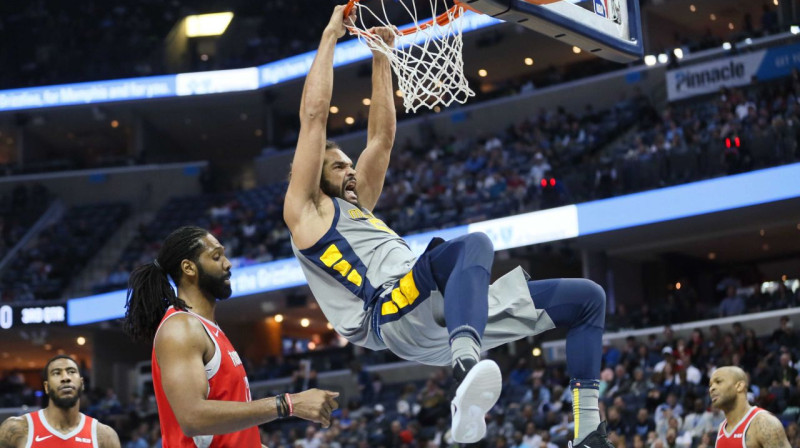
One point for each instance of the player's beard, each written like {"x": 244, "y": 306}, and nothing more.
{"x": 214, "y": 286}
{"x": 64, "y": 402}
{"x": 724, "y": 401}
{"x": 334, "y": 191}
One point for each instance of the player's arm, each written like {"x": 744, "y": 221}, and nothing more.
{"x": 107, "y": 437}
{"x": 768, "y": 432}
{"x": 381, "y": 128}
{"x": 303, "y": 195}
{"x": 14, "y": 432}
{"x": 180, "y": 346}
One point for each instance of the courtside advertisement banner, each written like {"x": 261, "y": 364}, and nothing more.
{"x": 736, "y": 71}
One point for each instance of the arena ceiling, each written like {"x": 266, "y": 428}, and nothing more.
{"x": 203, "y": 125}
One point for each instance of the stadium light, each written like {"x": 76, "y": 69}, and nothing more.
{"x": 663, "y": 58}
{"x": 794, "y": 29}
{"x": 678, "y": 52}
{"x": 649, "y": 60}
{"x": 726, "y": 46}
{"x": 208, "y": 24}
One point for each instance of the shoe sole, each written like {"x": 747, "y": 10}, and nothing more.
{"x": 474, "y": 398}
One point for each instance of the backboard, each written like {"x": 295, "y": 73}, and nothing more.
{"x": 610, "y": 29}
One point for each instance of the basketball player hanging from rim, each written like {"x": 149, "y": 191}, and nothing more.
{"x": 438, "y": 308}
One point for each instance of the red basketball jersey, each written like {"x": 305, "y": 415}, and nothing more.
{"x": 227, "y": 381}
{"x": 42, "y": 435}
{"x": 735, "y": 438}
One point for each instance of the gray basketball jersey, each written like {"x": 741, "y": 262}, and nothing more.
{"x": 355, "y": 263}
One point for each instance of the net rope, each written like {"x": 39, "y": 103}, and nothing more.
{"x": 427, "y": 62}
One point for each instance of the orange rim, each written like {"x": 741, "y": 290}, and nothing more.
{"x": 442, "y": 19}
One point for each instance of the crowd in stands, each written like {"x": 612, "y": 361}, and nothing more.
{"x": 468, "y": 179}
{"x": 249, "y": 223}
{"x": 653, "y": 394}
{"x": 686, "y": 304}
{"x": 46, "y": 265}
{"x": 98, "y": 159}
{"x": 766, "y": 22}
{"x": 14, "y": 391}
{"x": 18, "y": 211}
{"x": 93, "y": 40}
{"x": 738, "y": 130}
{"x": 549, "y": 159}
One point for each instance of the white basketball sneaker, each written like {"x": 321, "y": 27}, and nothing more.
{"x": 475, "y": 396}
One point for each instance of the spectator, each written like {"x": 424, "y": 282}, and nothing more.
{"x": 311, "y": 439}
{"x": 521, "y": 373}
{"x": 668, "y": 409}
{"x": 432, "y": 403}
{"x": 611, "y": 354}
{"x": 644, "y": 424}
{"x": 539, "y": 169}
{"x": 538, "y": 394}
{"x": 640, "y": 384}
{"x": 615, "y": 422}
{"x": 519, "y": 441}
{"x": 546, "y": 442}
{"x": 785, "y": 334}
{"x": 732, "y": 304}
{"x": 669, "y": 358}
{"x": 532, "y": 438}
{"x": 706, "y": 440}
{"x": 786, "y": 372}
{"x": 697, "y": 422}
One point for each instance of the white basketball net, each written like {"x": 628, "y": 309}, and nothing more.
{"x": 427, "y": 62}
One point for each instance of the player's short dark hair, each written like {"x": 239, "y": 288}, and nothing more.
{"x": 329, "y": 144}
{"x": 46, "y": 369}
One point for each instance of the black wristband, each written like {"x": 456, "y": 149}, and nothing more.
{"x": 279, "y": 407}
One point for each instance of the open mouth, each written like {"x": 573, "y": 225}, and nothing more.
{"x": 350, "y": 190}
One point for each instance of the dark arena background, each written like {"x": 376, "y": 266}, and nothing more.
{"x": 672, "y": 181}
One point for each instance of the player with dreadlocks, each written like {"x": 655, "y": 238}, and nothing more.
{"x": 200, "y": 384}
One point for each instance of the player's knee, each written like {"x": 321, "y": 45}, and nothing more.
{"x": 479, "y": 242}
{"x": 595, "y": 297}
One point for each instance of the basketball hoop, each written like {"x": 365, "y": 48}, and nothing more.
{"x": 426, "y": 56}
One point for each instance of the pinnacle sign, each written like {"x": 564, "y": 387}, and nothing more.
{"x": 736, "y": 71}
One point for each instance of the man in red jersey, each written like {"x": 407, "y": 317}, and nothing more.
{"x": 202, "y": 391}
{"x": 745, "y": 426}
{"x": 60, "y": 424}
